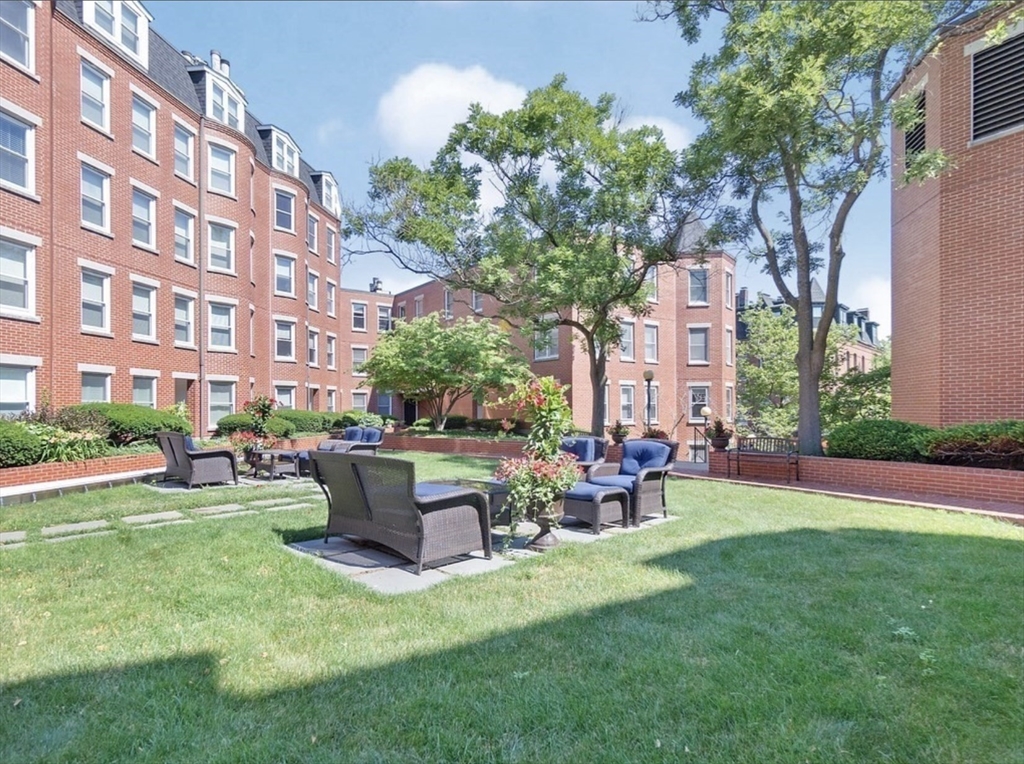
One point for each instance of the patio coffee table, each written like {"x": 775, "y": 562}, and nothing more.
{"x": 496, "y": 492}
{"x": 274, "y": 461}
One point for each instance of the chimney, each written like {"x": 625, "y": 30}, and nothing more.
{"x": 225, "y": 68}
{"x": 376, "y": 284}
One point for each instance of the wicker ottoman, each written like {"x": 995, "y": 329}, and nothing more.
{"x": 597, "y": 504}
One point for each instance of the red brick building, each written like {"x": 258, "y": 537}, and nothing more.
{"x": 958, "y": 240}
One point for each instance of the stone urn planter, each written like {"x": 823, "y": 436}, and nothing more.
{"x": 720, "y": 443}
{"x": 545, "y": 518}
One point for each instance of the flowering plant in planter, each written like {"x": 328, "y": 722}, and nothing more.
{"x": 718, "y": 429}
{"x": 246, "y": 441}
{"x": 260, "y": 408}
{"x": 618, "y": 431}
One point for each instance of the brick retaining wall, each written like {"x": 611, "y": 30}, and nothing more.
{"x": 493, "y": 449}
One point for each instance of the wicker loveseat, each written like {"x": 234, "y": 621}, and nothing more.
{"x": 378, "y": 499}
{"x": 196, "y": 466}
{"x": 645, "y": 463}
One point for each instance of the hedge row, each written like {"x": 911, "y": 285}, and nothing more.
{"x": 123, "y": 423}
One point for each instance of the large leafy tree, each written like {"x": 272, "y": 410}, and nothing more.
{"x": 796, "y": 102}
{"x": 580, "y": 211}
{"x": 439, "y": 363}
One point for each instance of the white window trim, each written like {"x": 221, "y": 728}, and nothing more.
{"x": 327, "y": 358}
{"x": 276, "y": 134}
{"x": 285, "y": 384}
{"x": 31, "y": 243}
{"x": 448, "y": 304}
{"x": 153, "y": 195}
{"x": 232, "y": 92}
{"x": 108, "y": 274}
{"x": 656, "y": 390}
{"x": 233, "y": 227}
{"x": 212, "y": 143}
{"x": 89, "y": 19}
{"x": 30, "y": 121}
{"x": 310, "y": 334}
{"x": 730, "y": 289}
{"x": 474, "y": 298}
{"x": 331, "y": 305}
{"x": 151, "y": 374}
{"x": 315, "y": 304}
{"x": 108, "y": 172}
{"x": 707, "y": 287}
{"x": 108, "y": 75}
{"x": 335, "y": 206}
{"x": 30, "y": 364}
{"x": 107, "y": 372}
{"x": 657, "y": 341}
{"x": 969, "y": 50}
{"x": 631, "y": 358}
{"x": 366, "y": 316}
{"x": 689, "y": 400}
{"x": 366, "y": 349}
{"x": 294, "y": 195}
{"x": 231, "y": 303}
{"x": 655, "y": 297}
{"x": 289, "y": 256}
{"x": 553, "y": 356}
{"x": 220, "y": 379}
{"x": 730, "y": 346}
{"x": 390, "y": 316}
{"x": 191, "y": 177}
{"x": 707, "y": 345}
{"x": 29, "y": 67}
{"x": 364, "y": 396}
{"x": 333, "y": 244}
{"x": 729, "y": 415}
{"x": 293, "y": 322}
{"x": 154, "y": 105}
{"x": 623, "y": 386}
{"x": 193, "y": 215}
{"x": 315, "y": 229}
{"x": 152, "y": 285}
{"x": 192, "y": 298}
{"x": 417, "y": 306}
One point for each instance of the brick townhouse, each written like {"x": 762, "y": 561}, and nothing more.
{"x": 158, "y": 242}
{"x": 958, "y": 240}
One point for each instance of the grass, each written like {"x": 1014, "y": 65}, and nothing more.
{"x": 762, "y": 626}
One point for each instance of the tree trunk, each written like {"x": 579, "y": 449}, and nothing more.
{"x": 809, "y": 427}
{"x": 598, "y": 366}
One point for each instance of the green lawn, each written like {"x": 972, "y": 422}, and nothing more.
{"x": 762, "y": 626}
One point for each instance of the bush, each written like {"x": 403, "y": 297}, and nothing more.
{"x": 886, "y": 440}
{"x": 277, "y": 426}
{"x": 371, "y": 420}
{"x": 997, "y": 445}
{"x": 18, "y": 446}
{"x": 424, "y": 423}
{"x": 126, "y": 422}
{"x": 61, "y": 445}
{"x": 348, "y": 418}
{"x": 280, "y": 428}
{"x": 456, "y": 422}
{"x": 307, "y": 421}
{"x": 486, "y": 425}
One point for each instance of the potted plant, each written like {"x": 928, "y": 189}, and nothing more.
{"x": 719, "y": 434}
{"x": 537, "y": 481}
{"x": 654, "y": 432}
{"x": 618, "y": 431}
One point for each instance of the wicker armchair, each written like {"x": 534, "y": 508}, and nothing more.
{"x": 588, "y": 449}
{"x": 378, "y": 499}
{"x": 645, "y": 463}
{"x": 196, "y": 466}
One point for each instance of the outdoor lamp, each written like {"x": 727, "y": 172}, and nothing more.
{"x": 705, "y": 412}
{"x": 648, "y": 378}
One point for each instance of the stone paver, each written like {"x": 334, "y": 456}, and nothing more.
{"x": 91, "y": 525}
{"x": 269, "y": 502}
{"x": 333, "y": 547}
{"x": 219, "y": 509}
{"x": 362, "y": 560}
{"x": 184, "y": 521}
{"x": 290, "y": 506}
{"x": 476, "y": 565}
{"x": 400, "y": 581}
{"x": 154, "y": 517}
{"x": 12, "y": 537}
{"x": 78, "y": 536}
{"x": 232, "y": 514}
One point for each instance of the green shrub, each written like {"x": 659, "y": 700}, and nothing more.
{"x": 127, "y": 423}
{"x": 348, "y": 418}
{"x": 307, "y": 421}
{"x": 230, "y": 423}
{"x": 369, "y": 419}
{"x": 989, "y": 444}
{"x": 425, "y": 422}
{"x": 886, "y": 440}
{"x": 456, "y": 422}
{"x": 280, "y": 428}
{"x": 18, "y": 446}
{"x": 60, "y": 445}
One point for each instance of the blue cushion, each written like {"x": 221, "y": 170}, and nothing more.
{"x": 372, "y": 435}
{"x": 583, "y": 448}
{"x": 353, "y": 433}
{"x": 641, "y": 454}
{"x": 585, "y": 491}
{"x": 304, "y": 456}
{"x": 618, "y": 481}
{"x": 189, "y": 445}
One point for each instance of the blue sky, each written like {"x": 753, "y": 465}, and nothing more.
{"x": 356, "y": 82}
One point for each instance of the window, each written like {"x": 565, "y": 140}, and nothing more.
{"x": 95, "y": 192}
{"x": 627, "y": 394}
{"x": 360, "y": 401}
{"x": 222, "y": 401}
{"x": 384, "y": 403}
{"x": 95, "y": 301}
{"x": 728, "y": 404}
{"x": 626, "y": 351}
{"x": 312, "y": 289}
{"x": 545, "y": 344}
{"x": 358, "y": 357}
{"x": 284, "y": 211}
{"x": 129, "y": 29}
{"x": 728, "y": 347}
{"x": 95, "y": 96}
{"x": 331, "y": 200}
{"x": 17, "y": 153}
{"x": 417, "y": 304}
{"x": 184, "y": 236}
{"x": 383, "y": 318}
{"x": 651, "y": 279}
{"x": 17, "y": 278}
{"x": 104, "y": 16}
{"x": 698, "y": 400}
{"x": 123, "y": 23}
{"x": 222, "y": 248}
{"x": 311, "y": 233}
{"x": 729, "y": 290}
{"x": 143, "y": 215}
{"x": 17, "y": 389}
{"x": 477, "y": 300}
{"x": 650, "y": 343}
{"x": 224, "y": 107}
{"x": 698, "y": 287}
{"x": 184, "y": 320}
{"x": 332, "y": 396}
{"x": 284, "y": 275}
{"x": 331, "y": 300}
{"x": 651, "y": 404}
{"x": 95, "y": 387}
{"x": 401, "y": 310}
{"x": 332, "y": 344}
{"x": 143, "y": 126}
{"x": 313, "y": 348}
{"x": 143, "y": 312}
{"x": 286, "y": 156}
{"x": 699, "y": 345}
{"x": 607, "y": 404}
{"x": 284, "y": 341}
{"x": 311, "y": 399}
{"x": 359, "y": 316}
{"x": 285, "y": 395}
{"x": 16, "y": 32}
{"x": 184, "y": 143}
{"x": 447, "y": 303}
{"x": 998, "y": 88}
{"x": 222, "y": 170}
{"x": 331, "y": 239}
{"x": 222, "y": 326}
{"x": 144, "y": 391}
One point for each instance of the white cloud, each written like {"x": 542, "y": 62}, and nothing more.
{"x": 875, "y": 294}
{"x": 676, "y": 136}
{"x": 417, "y": 114}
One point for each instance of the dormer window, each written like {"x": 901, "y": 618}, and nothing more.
{"x": 125, "y": 23}
{"x": 286, "y": 155}
{"x": 224, "y": 107}
{"x": 331, "y": 200}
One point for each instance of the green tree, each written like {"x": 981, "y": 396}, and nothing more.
{"x": 584, "y": 210}
{"x": 859, "y": 395}
{"x": 796, "y": 101}
{"x": 439, "y": 364}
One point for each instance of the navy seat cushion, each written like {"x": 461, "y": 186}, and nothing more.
{"x": 583, "y": 448}
{"x": 189, "y": 444}
{"x": 618, "y": 481}
{"x": 641, "y": 454}
{"x": 372, "y": 435}
{"x": 304, "y": 456}
{"x": 585, "y": 491}
{"x": 353, "y": 433}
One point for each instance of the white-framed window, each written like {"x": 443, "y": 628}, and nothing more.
{"x": 332, "y": 355}
{"x": 545, "y": 344}
{"x": 627, "y": 398}
{"x": 699, "y": 397}
{"x": 284, "y": 211}
{"x": 401, "y": 310}
{"x": 143, "y": 126}
{"x": 698, "y": 286}
{"x": 360, "y": 400}
{"x": 184, "y": 151}
{"x": 95, "y": 387}
{"x": 728, "y": 403}
{"x": 313, "y": 347}
{"x": 447, "y": 313}
{"x": 384, "y": 403}
{"x": 143, "y": 218}
{"x": 286, "y": 155}
{"x": 312, "y": 290}
{"x": 143, "y": 312}
{"x": 284, "y": 275}
{"x": 95, "y": 96}
{"x": 284, "y": 340}
{"x": 728, "y": 347}
{"x": 125, "y": 24}
{"x": 311, "y": 241}
{"x": 359, "y": 355}
{"x": 224, "y": 106}
{"x": 699, "y": 351}
{"x": 18, "y": 274}
{"x": 359, "y": 316}
{"x": 222, "y": 169}
{"x": 95, "y": 198}
{"x": 627, "y": 348}
{"x": 332, "y": 243}
{"x": 17, "y": 33}
{"x": 651, "y": 343}
{"x": 383, "y": 318}
{"x": 184, "y": 320}
{"x": 284, "y": 392}
{"x": 331, "y": 199}
{"x": 312, "y": 392}
{"x": 222, "y": 248}
{"x": 607, "y": 403}
{"x": 18, "y": 150}
{"x": 651, "y": 279}
{"x": 184, "y": 235}
{"x": 252, "y": 331}
{"x": 332, "y": 399}
{"x": 997, "y": 101}
{"x": 95, "y": 301}
{"x": 417, "y": 306}
{"x": 477, "y": 301}
{"x": 18, "y": 387}
{"x": 729, "y": 290}
{"x": 222, "y": 400}
{"x": 222, "y": 326}
{"x": 651, "y": 404}
{"x": 144, "y": 391}
{"x": 332, "y": 304}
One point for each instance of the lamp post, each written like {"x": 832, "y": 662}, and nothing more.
{"x": 648, "y": 378}
{"x": 705, "y": 412}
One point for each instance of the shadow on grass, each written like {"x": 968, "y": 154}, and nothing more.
{"x": 854, "y": 646}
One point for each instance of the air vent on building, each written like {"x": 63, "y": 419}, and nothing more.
{"x": 999, "y": 87}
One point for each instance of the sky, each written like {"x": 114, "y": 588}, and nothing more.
{"x": 359, "y": 82}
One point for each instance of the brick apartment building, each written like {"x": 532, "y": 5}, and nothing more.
{"x": 158, "y": 242}
{"x": 958, "y": 240}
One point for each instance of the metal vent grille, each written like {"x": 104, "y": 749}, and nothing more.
{"x": 999, "y": 87}
{"x": 913, "y": 140}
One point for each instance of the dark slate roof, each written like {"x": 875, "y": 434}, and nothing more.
{"x": 817, "y": 293}
{"x": 689, "y": 237}
{"x": 262, "y": 149}
{"x": 306, "y": 176}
